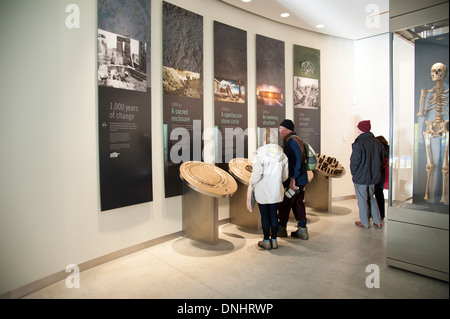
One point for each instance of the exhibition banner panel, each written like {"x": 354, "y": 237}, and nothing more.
{"x": 124, "y": 103}
{"x": 307, "y": 95}
{"x": 182, "y": 92}
{"x": 230, "y": 94}
{"x": 270, "y": 85}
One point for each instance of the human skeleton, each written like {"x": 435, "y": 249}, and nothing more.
{"x": 436, "y": 98}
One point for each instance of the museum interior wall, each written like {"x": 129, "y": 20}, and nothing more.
{"x": 50, "y": 214}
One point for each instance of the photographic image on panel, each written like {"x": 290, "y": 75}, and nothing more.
{"x": 306, "y": 93}
{"x": 229, "y": 90}
{"x": 121, "y": 62}
{"x": 269, "y": 95}
{"x": 181, "y": 82}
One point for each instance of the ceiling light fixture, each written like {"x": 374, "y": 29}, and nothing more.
{"x": 246, "y": 0}
{"x": 285, "y": 15}
{"x": 320, "y": 26}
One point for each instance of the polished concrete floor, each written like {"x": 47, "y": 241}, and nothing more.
{"x": 331, "y": 264}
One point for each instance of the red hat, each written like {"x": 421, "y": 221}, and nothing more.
{"x": 364, "y": 126}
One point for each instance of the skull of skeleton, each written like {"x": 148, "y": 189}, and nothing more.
{"x": 438, "y": 72}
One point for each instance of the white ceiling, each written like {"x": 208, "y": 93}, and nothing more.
{"x": 350, "y": 19}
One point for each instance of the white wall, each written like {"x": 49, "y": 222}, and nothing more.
{"x": 372, "y": 83}
{"x": 49, "y": 177}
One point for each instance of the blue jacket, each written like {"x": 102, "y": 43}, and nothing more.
{"x": 366, "y": 159}
{"x": 297, "y": 169}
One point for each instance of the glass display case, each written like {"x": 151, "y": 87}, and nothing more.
{"x": 418, "y": 205}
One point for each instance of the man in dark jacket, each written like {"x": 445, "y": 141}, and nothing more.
{"x": 298, "y": 178}
{"x": 365, "y": 165}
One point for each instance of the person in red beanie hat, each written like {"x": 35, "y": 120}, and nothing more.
{"x": 364, "y": 126}
{"x": 365, "y": 166}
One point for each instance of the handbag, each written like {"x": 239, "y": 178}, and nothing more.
{"x": 250, "y": 197}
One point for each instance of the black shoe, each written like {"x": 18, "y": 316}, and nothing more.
{"x": 281, "y": 231}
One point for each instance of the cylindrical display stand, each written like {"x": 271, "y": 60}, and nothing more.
{"x": 200, "y": 217}
{"x": 206, "y": 183}
{"x": 239, "y": 215}
{"x": 318, "y": 192}
{"x": 241, "y": 170}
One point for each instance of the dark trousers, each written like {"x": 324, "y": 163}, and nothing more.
{"x": 269, "y": 220}
{"x": 379, "y": 195}
{"x": 297, "y": 204}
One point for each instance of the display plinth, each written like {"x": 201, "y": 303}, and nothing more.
{"x": 239, "y": 214}
{"x": 241, "y": 169}
{"x": 200, "y": 217}
{"x": 318, "y": 192}
{"x": 206, "y": 183}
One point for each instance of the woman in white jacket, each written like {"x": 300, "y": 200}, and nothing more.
{"x": 270, "y": 170}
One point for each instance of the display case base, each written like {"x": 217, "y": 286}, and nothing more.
{"x": 418, "y": 241}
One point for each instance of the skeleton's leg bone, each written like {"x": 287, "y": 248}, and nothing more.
{"x": 445, "y": 171}
{"x": 430, "y": 165}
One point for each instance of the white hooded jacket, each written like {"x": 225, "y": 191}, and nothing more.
{"x": 270, "y": 170}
